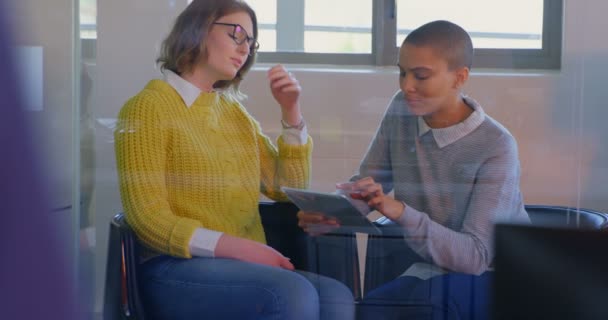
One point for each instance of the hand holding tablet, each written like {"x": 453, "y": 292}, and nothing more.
{"x": 339, "y": 213}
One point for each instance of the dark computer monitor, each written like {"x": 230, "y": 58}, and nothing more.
{"x": 550, "y": 273}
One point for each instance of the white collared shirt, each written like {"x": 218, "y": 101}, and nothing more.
{"x": 451, "y": 134}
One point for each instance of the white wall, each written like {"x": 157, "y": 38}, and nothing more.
{"x": 557, "y": 116}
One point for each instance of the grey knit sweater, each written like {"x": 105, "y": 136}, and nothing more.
{"x": 456, "y": 183}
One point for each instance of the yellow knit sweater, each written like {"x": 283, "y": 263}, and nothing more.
{"x": 181, "y": 168}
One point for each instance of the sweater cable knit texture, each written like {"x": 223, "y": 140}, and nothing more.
{"x": 182, "y": 168}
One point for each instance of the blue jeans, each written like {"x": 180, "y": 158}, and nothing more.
{"x": 447, "y": 297}
{"x": 214, "y": 288}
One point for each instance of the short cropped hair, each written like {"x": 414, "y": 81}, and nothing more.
{"x": 448, "y": 39}
{"x": 186, "y": 44}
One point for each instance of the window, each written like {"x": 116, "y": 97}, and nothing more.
{"x": 516, "y": 34}
{"x": 315, "y": 31}
{"x": 88, "y": 19}
{"x": 495, "y": 28}
{"x": 519, "y": 34}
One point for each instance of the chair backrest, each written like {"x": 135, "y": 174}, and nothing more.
{"x": 282, "y": 232}
{"x": 122, "y": 299}
{"x": 559, "y": 216}
{"x": 313, "y": 254}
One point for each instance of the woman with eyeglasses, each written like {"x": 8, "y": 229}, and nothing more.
{"x": 192, "y": 163}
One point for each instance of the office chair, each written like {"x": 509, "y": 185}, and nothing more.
{"x": 396, "y": 256}
{"x": 122, "y": 296}
{"x": 388, "y": 256}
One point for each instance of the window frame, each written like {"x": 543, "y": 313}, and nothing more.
{"x": 384, "y": 32}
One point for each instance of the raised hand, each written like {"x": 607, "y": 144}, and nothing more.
{"x": 286, "y": 90}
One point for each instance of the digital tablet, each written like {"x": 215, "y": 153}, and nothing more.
{"x": 333, "y": 205}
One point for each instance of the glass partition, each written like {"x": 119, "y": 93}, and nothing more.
{"x": 80, "y": 61}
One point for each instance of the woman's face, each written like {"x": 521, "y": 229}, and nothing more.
{"x": 225, "y": 56}
{"x": 426, "y": 80}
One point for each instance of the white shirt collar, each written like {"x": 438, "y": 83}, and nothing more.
{"x": 186, "y": 90}
{"x": 422, "y": 127}
{"x": 449, "y": 135}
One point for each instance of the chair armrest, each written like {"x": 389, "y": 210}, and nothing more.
{"x": 112, "y": 305}
{"x": 122, "y": 299}
{"x": 560, "y": 216}
{"x": 131, "y": 257}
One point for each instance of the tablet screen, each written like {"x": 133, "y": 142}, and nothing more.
{"x": 334, "y": 205}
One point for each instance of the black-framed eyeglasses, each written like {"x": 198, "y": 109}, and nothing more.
{"x": 239, "y": 35}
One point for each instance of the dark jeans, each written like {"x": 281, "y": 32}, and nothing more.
{"x": 447, "y": 297}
